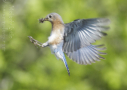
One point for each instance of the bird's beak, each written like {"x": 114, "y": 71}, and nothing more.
{"x": 46, "y": 19}
{"x": 43, "y": 19}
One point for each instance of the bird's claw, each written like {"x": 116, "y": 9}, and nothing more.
{"x": 35, "y": 42}
{"x": 32, "y": 40}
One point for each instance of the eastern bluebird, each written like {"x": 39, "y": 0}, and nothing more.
{"x": 75, "y": 38}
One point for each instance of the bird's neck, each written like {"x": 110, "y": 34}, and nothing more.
{"x": 57, "y": 26}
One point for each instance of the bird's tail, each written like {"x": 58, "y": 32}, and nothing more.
{"x": 64, "y": 60}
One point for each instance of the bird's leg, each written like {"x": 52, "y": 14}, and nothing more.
{"x": 45, "y": 44}
{"x": 35, "y": 42}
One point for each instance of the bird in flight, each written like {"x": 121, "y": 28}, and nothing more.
{"x": 75, "y": 38}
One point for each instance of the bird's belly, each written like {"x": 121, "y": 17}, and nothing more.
{"x": 57, "y": 50}
{"x": 53, "y": 48}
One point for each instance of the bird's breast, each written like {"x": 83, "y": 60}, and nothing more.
{"x": 55, "y": 38}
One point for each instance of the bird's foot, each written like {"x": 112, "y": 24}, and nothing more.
{"x": 35, "y": 42}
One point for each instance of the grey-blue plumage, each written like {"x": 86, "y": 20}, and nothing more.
{"x": 79, "y": 35}
{"x": 87, "y": 55}
{"x": 83, "y": 32}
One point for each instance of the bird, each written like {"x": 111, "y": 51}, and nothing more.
{"x": 75, "y": 39}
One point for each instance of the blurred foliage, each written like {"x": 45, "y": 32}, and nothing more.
{"x": 25, "y": 67}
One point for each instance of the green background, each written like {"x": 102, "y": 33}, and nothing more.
{"x": 26, "y": 67}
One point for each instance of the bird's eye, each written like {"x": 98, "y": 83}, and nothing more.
{"x": 50, "y": 16}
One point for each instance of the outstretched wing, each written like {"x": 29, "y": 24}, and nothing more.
{"x": 87, "y": 55}
{"x": 83, "y": 32}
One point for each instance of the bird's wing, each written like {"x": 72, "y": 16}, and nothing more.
{"x": 83, "y": 32}
{"x": 87, "y": 55}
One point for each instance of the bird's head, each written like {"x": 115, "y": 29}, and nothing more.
{"x": 52, "y": 17}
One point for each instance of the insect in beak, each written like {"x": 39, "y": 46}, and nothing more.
{"x": 42, "y": 20}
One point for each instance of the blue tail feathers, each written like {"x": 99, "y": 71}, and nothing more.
{"x": 64, "y": 60}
